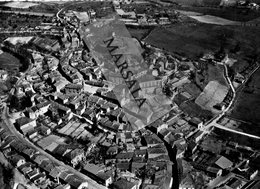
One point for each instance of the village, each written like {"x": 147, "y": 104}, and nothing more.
{"x": 64, "y": 124}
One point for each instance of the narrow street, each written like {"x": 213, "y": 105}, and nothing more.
{"x": 9, "y": 126}
{"x": 172, "y": 156}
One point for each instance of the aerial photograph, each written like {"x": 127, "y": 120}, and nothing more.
{"x": 130, "y": 94}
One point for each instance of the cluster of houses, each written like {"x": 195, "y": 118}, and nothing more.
{"x": 149, "y": 17}
{"x": 36, "y": 167}
{"x": 215, "y": 158}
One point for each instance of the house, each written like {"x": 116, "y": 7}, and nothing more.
{"x": 120, "y": 137}
{"x": 130, "y": 147}
{"x": 25, "y": 124}
{"x": 159, "y": 177}
{"x": 140, "y": 153}
{"x": 152, "y": 140}
{"x": 26, "y": 168}
{"x": 161, "y": 127}
{"x": 39, "y": 178}
{"x": 43, "y": 107}
{"x": 196, "y": 122}
{"x": 61, "y": 150}
{"x": 76, "y": 182}
{"x": 150, "y": 186}
{"x": 81, "y": 109}
{"x": 65, "y": 174}
{"x": 47, "y": 165}
{"x": 56, "y": 171}
{"x": 105, "y": 178}
{"x": 128, "y": 137}
{"x": 18, "y": 146}
{"x": 33, "y": 173}
{"x": 253, "y": 184}
{"x": 67, "y": 186}
{"x": 38, "y": 159}
{"x": 209, "y": 170}
{"x": 113, "y": 150}
{"x": 224, "y": 163}
{"x": 197, "y": 136}
{"x": 32, "y": 133}
{"x": 61, "y": 97}
{"x": 234, "y": 183}
{"x": 17, "y": 160}
{"x": 191, "y": 148}
{"x": 114, "y": 115}
{"x": 29, "y": 152}
{"x": 75, "y": 156}
{"x": 73, "y": 89}
{"x": 124, "y": 157}
{"x": 248, "y": 173}
{"x": 123, "y": 167}
{"x": 44, "y": 130}
{"x": 4, "y": 134}
{"x": 93, "y": 170}
{"x": 136, "y": 166}
{"x": 124, "y": 184}
{"x": 156, "y": 152}
{"x": 8, "y": 141}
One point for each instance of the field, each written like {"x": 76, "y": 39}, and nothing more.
{"x": 230, "y": 13}
{"x": 197, "y": 2}
{"x": 21, "y": 5}
{"x": 212, "y": 94}
{"x": 102, "y": 8}
{"x": 138, "y": 33}
{"x": 209, "y": 19}
{"x": 11, "y": 21}
{"x": 193, "y": 40}
{"x": 22, "y": 40}
{"x": 191, "y": 108}
{"x": 240, "y": 139}
{"x": 9, "y": 62}
{"x": 247, "y": 106}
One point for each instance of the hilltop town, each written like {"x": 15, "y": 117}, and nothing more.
{"x": 86, "y": 102}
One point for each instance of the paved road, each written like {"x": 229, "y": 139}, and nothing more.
{"x": 213, "y": 122}
{"x": 9, "y": 126}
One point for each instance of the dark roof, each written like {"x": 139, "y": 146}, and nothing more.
{"x": 74, "y": 153}
{"x": 152, "y": 139}
{"x": 138, "y": 165}
{"x": 123, "y": 166}
{"x": 123, "y": 184}
{"x": 104, "y": 175}
{"x": 23, "y": 120}
{"x": 127, "y": 155}
{"x": 15, "y": 158}
{"x": 17, "y": 145}
{"x": 74, "y": 181}
{"x": 74, "y": 86}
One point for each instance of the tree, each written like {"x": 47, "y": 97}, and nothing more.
{"x": 167, "y": 90}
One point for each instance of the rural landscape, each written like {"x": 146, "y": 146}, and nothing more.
{"x": 130, "y": 94}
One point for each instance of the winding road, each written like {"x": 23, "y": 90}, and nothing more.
{"x": 213, "y": 122}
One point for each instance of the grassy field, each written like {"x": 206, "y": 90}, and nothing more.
{"x": 194, "y": 40}
{"x": 138, "y": 33}
{"x": 230, "y": 13}
{"x": 9, "y": 62}
{"x": 247, "y": 106}
{"x": 197, "y": 2}
{"x": 240, "y": 139}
